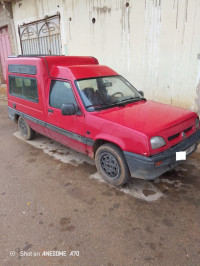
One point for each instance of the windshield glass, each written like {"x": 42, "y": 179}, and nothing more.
{"x": 104, "y": 92}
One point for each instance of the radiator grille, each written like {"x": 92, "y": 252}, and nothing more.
{"x": 178, "y": 134}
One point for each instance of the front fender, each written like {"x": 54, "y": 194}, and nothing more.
{"x": 113, "y": 139}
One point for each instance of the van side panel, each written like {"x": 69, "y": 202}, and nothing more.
{"x": 30, "y": 110}
{"x": 68, "y": 130}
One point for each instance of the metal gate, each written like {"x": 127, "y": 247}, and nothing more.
{"x": 41, "y": 37}
{"x": 5, "y": 50}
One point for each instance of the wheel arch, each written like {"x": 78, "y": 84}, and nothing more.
{"x": 111, "y": 163}
{"x": 99, "y": 142}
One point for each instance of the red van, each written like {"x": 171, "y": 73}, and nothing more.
{"x": 92, "y": 109}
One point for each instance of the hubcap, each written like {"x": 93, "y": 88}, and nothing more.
{"x": 23, "y": 127}
{"x": 109, "y": 165}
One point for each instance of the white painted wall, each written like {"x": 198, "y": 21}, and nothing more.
{"x": 153, "y": 43}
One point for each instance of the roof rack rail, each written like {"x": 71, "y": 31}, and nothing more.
{"x": 33, "y": 55}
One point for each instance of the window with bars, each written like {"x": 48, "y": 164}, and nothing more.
{"x": 41, "y": 37}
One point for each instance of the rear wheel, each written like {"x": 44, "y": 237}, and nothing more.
{"x": 26, "y": 131}
{"x": 112, "y": 165}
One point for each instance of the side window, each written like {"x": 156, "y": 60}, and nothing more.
{"x": 15, "y": 86}
{"x": 60, "y": 93}
{"x": 23, "y": 87}
{"x": 30, "y": 89}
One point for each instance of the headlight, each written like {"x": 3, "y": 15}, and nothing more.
{"x": 197, "y": 122}
{"x": 157, "y": 142}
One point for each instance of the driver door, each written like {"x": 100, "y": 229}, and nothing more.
{"x": 69, "y": 129}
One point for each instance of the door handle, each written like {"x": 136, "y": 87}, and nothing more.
{"x": 50, "y": 111}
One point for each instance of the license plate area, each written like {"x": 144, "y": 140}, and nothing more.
{"x": 190, "y": 149}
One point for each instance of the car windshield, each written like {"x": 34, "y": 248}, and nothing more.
{"x": 106, "y": 92}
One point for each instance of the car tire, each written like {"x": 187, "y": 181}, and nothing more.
{"x": 26, "y": 131}
{"x": 112, "y": 165}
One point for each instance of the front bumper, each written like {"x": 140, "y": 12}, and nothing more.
{"x": 144, "y": 167}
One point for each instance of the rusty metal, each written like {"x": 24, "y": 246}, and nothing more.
{"x": 41, "y": 37}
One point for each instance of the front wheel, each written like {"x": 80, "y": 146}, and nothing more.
{"x": 26, "y": 131}
{"x": 112, "y": 165}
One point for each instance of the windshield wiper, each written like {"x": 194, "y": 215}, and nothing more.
{"x": 121, "y": 103}
{"x": 133, "y": 99}
{"x": 105, "y": 105}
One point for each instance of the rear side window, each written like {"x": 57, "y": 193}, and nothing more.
{"x": 60, "y": 93}
{"x": 23, "y": 87}
{"x": 22, "y": 69}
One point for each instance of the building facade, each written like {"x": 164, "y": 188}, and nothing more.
{"x": 8, "y": 43}
{"x": 155, "y": 44}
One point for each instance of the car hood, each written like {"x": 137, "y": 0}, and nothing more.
{"x": 148, "y": 117}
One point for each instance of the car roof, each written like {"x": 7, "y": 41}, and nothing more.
{"x": 82, "y": 71}
{"x": 61, "y": 60}
{"x": 66, "y": 67}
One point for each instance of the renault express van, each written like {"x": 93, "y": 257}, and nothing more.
{"x": 92, "y": 109}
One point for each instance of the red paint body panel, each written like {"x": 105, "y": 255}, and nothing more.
{"x": 69, "y": 61}
{"x": 74, "y": 123}
{"x": 126, "y": 138}
{"x": 81, "y": 72}
{"x": 33, "y": 109}
{"x": 88, "y": 71}
{"x": 129, "y": 127}
{"x": 146, "y": 118}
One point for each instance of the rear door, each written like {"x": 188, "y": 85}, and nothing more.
{"x": 68, "y": 130}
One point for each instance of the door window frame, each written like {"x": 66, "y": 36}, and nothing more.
{"x": 72, "y": 88}
{"x": 21, "y": 96}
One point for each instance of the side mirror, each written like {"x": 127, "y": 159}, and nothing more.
{"x": 68, "y": 109}
{"x": 142, "y": 93}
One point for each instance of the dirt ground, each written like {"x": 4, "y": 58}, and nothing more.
{"x": 51, "y": 200}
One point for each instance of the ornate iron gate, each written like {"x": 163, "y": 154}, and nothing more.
{"x": 41, "y": 37}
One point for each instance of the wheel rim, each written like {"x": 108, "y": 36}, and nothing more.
{"x": 109, "y": 165}
{"x": 23, "y": 127}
